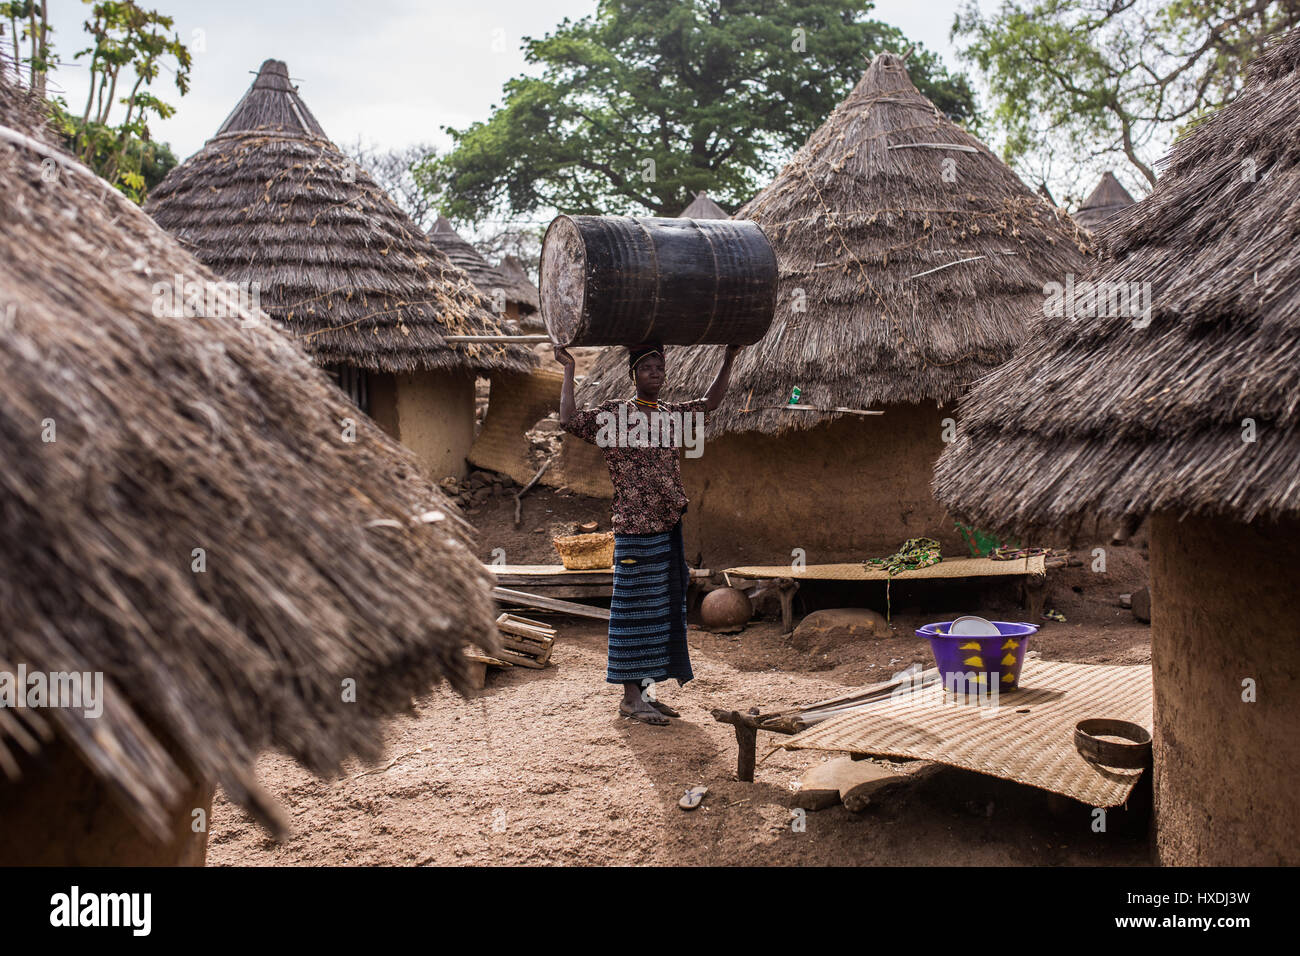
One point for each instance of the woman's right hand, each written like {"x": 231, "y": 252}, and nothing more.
{"x": 563, "y": 357}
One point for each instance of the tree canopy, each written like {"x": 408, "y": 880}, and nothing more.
{"x": 1087, "y": 84}
{"x": 643, "y": 103}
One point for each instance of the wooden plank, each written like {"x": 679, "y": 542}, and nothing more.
{"x": 523, "y": 627}
{"x": 564, "y": 591}
{"x": 547, "y": 570}
{"x": 538, "y": 652}
{"x": 521, "y": 660}
{"x": 507, "y": 596}
{"x": 955, "y": 568}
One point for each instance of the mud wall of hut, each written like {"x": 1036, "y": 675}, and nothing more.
{"x": 849, "y": 489}
{"x": 1223, "y": 606}
{"x": 431, "y": 413}
{"x": 846, "y": 490}
{"x": 59, "y": 814}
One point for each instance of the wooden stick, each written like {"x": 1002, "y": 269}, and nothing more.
{"x": 521, "y": 339}
{"x": 948, "y": 266}
{"x": 519, "y": 505}
{"x": 960, "y": 147}
{"x": 820, "y": 408}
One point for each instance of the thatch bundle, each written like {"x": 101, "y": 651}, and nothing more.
{"x": 702, "y": 207}
{"x": 270, "y": 199}
{"x": 130, "y": 441}
{"x": 511, "y": 279}
{"x": 910, "y": 257}
{"x": 1108, "y": 198}
{"x": 1099, "y": 414}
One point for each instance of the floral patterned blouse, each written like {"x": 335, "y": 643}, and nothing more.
{"x": 643, "y": 461}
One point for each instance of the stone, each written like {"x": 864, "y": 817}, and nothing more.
{"x": 825, "y": 784}
{"x": 877, "y": 790}
{"x": 1126, "y": 600}
{"x": 481, "y": 495}
{"x": 838, "y": 625}
{"x": 1142, "y": 605}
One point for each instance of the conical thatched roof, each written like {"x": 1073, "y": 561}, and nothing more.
{"x": 874, "y": 243}
{"x": 515, "y": 285}
{"x": 270, "y": 199}
{"x": 1102, "y": 203}
{"x": 1097, "y": 415}
{"x": 132, "y": 439}
{"x": 702, "y": 207}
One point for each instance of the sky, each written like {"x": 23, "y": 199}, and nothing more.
{"x": 391, "y": 72}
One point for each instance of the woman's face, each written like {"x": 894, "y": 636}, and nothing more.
{"x": 650, "y": 373}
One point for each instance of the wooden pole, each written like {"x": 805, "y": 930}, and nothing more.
{"x": 518, "y": 339}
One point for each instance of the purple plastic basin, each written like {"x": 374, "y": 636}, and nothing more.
{"x": 999, "y": 658}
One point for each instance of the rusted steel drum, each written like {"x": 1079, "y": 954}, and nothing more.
{"x": 620, "y": 280}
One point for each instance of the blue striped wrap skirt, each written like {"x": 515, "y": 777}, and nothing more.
{"x": 647, "y": 614}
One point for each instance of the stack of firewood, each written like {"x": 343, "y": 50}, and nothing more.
{"x": 524, "y": 642}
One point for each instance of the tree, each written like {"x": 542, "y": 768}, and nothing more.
{"x": 29, "y": 23}
{"x": 130, "y": 46}
{"x": 644, "y": 103}
{"x": 1086, "y": 83}
{"x": 125, "y": 35}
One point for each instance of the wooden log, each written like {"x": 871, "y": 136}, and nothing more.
{"x": 785, "y": 591}
{"x": 508, "y": 596}
{"x": 1034, "y": 588}
{"x": 746, "y": 750}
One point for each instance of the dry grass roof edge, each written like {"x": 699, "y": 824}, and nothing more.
{"x": 909, "y": 256}
{"x": 1121, "y": 418}
{"x": 271, "y": 200}
{"x": 130, "y": 441}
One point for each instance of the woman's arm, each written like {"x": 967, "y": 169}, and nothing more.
{"x": 713, "y": 398}
{"x": 566, "y": 390}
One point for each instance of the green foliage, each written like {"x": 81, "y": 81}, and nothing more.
{"x": 130, "y": 45}
{"x": 643, "y": 103}
{"x": 1091, "y": 82}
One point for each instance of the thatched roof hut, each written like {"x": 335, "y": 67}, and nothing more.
{"x": 1190, "y": 414}
{"x": 184, "y": 513}
{"x": 702, "y": 207}
{"x": 270, "y": 199}
{"x": 909, "y": 256}
{"x": 1108, "y": 198}
{"x": 1120, "y": 418}
{"x": 516, "y": 289}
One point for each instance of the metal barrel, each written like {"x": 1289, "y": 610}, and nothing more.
{"x": 622, "y": 280}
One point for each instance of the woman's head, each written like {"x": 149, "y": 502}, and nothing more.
{"x": 646, "y": 367}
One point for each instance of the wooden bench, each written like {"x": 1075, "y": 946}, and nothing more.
{"x": 787, "y": 577}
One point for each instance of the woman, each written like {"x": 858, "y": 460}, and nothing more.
{"x": 647, "y": 624}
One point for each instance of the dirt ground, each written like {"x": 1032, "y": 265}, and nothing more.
{"x": 539, "y": 769}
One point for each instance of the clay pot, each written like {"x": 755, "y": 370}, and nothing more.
{"x": 726, "y": 607}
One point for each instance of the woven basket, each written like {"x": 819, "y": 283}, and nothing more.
{"x": 586, "y": 552}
